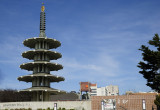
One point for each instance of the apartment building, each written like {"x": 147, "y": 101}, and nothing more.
{"x": 103, "y": 91}
{"x": 112, "y": 90}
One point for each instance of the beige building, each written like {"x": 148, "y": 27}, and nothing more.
{"x": 103, "y": 91}
{"x": 112, "y": 90}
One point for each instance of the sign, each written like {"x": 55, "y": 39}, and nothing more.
{"x": 109, "y": 104}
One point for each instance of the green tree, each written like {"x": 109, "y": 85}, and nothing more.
{"x": 157, "y": 101}
{"x": 150, "y": 66}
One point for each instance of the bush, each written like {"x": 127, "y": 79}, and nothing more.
{"x": 48, "y": 108}
{"x": 59, "y": 108}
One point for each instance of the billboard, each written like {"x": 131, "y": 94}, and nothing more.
{"x": 85, "y": 86}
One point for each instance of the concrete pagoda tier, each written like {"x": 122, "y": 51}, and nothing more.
{"x": 41, "y": 65}
{"x": 52, "y": 55}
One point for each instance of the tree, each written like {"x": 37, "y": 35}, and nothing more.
{"x": 10, "y": 95}
{"x": 157, "y": 102}
{"x": 150, "y": 66}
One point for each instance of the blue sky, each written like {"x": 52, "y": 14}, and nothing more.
{"x": 100, "y": 40}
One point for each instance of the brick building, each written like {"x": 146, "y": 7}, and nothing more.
{"x": 127, "y": 102}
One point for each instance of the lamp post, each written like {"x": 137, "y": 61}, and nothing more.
{"x": 55, "y": 106}
{"x": 143, "y": 104}
{"x": 102, "y": 105}
{"x": 114, "y": 104}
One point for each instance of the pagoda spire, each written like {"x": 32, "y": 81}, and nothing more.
{"x": 42, "y": 22}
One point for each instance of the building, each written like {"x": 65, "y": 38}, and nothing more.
{"x": 93, "y": 90}
{"x": 138, "y": 101}
{"x": 41, "y": 65}
{"x": 112, "y": 90}
{"x": 103, "y": 91}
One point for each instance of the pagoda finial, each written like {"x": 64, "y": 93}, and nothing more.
{"x": 42, "y": 7}
{"x": 42, "y": 22}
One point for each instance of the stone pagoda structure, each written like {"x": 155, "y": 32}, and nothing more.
{"x": 41, "y": 55}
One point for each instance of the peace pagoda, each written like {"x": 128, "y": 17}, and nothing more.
{"x": 41, "y": 55}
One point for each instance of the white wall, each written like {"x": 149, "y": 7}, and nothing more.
{"x": 101, "y": 91}
{"x": 77, "y": 105}
{"x": 93, "y": 90}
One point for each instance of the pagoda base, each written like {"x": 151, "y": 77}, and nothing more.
{"x": 42, "y": 93}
